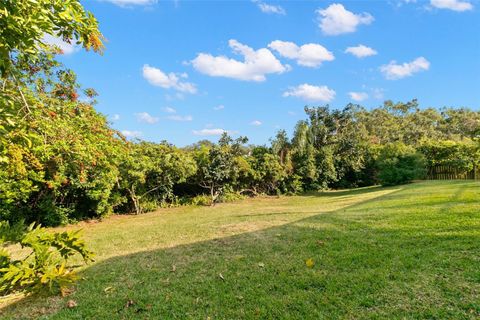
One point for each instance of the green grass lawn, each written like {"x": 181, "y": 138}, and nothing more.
{"x": 407, "y": 252}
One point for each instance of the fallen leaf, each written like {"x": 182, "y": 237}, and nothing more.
{"x": 221, "y": 276}
{"x": 174, "y": 268}
{"x": 107, "y": 289}
{"x": 71, "y": 304}
{"x": 261, "y": 265}
{"x": 66, "y": 291}
{"x": 129, "y": 303}
{"x": 309, "y": 263}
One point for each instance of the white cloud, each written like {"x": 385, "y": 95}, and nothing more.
{"x": 132, "y": 134}
{"x": 394, "y": 71}
{"x": 115, "y": 117}
{"x": 310, "y": 92}
{"x": 126, "y": 3}
{"x": 256, "y": 65}
{"x": 361, "y": 51}
{"x": 219, "y": 107}
{"x": 146, "y": 118}
{"x": 268, "y": 8}
{"x": 67, "y": 48}
{"x": 309, "y": 55}
{"x": 358, "y": 96}
{"x": 158, "y": 78}
{"x": 180, "y": 118}
{"x": 336, "y": 20}
{"x": 169, "y": 110}
{"x": 455, "y": 5}
{"x": 209, "y": 132}
{"x": 256, "y": 123}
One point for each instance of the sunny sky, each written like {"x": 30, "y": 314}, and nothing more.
{"x": 188, "y": 70}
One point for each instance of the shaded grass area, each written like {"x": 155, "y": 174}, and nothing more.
{"x": 406, "y": 252}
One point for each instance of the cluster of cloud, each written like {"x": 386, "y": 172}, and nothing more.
{"x": 308, "y": 55}
{"x": 209, "y": 132}
{"x": 358, "y": 96}
{"x": 268, "y": 8}
{"x": 333, "y": 20}
{"x": 169, "y": 110}
{"x": 395, "y": 71}
{"x": 254, "y": 67}
{"x": 361, "y": 51}
{"x": 171, "y": 80}
{"x": 311, "y": 93}
{"x": 145, "y": 117}
{"x": 256, "y": 64}
{"x": 177, "y": 117}
{"x": 336, "y": 20}
{"x": 455, "y": 5}
{"x": 132, "y": 134}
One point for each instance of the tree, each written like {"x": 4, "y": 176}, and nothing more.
{"x": 460, "y": 123}
{"x": 216, "y": 165}
{"x": 44, "y": 176}
{"x": 149, "y": 173}
{"x": 23, "y": 25}
{"x": 399, "y": 164}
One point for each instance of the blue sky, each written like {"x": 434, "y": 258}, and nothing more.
{"x": 186, "y": 70}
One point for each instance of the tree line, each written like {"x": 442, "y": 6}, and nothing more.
{"x": 60, "y": 160}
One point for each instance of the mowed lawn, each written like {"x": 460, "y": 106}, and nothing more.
{"x": 406, "y": 252}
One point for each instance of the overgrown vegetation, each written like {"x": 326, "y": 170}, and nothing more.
{"x": 60, "y": 162}
{"x": 44, "y": 258}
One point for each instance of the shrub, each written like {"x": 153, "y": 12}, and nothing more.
{"x": 398, "y": 164}
{"x": 461, "y": 155}
{"x": 45, "y": 262}
{"x": 229, "y": 195}
{"x": 201, "y": 200}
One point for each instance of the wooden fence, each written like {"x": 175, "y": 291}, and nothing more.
{"x": 452, "y": 173}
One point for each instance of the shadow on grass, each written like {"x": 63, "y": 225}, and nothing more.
{"x": 346, "y": 192}
{"x": 362, "y": 270}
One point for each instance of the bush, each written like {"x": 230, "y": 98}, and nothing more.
{"x": 460, "y": 155}
{"x": 201, "y": 200}
{"x": 45, "y": 262}
{"x": 229, "y": 195}
{"x": 398, "y": 164}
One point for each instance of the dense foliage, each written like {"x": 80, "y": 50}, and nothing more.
{"x": 61, "y": 162}
{"x": 398, "y": 163}
{"x": 44, "y": 262}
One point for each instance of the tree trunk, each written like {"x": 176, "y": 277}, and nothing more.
{"x": 214, "y": 195}
{"x": 135, "y": 200}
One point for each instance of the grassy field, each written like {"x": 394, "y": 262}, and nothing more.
{"x": 407, "y": 252}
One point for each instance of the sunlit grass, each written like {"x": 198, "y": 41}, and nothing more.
{"x": 405, "y": 252}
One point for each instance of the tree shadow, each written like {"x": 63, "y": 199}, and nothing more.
{"x": 346, "y": 192}
{"x": 362, "y": 270}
